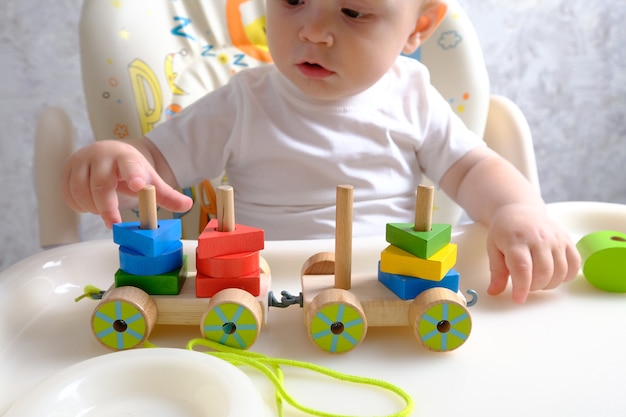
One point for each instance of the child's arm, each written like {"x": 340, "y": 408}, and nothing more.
{"x": 522, "y": 240}
{"x": 99, "y": 176}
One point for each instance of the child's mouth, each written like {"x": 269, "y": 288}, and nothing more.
{"x": 314, "y": 70}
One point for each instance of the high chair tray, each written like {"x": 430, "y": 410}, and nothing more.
{"x": 560, "y": 354}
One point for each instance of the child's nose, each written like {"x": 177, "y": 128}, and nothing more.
{"x": 316, "y": 29}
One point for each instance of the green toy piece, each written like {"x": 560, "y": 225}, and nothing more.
{"x": 420, "y": 244}
{"x": 169, "y": 283}
{"x": 603, "y": 256}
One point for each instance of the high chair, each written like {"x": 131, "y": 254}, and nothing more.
{"x": 142, "y": 62}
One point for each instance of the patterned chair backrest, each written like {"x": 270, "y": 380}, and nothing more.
{"x": 142, "y": 62}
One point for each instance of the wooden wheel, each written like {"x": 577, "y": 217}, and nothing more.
{"x": 336, "y": 322}
{"x": 124, "y": 318}
{"x": 440, "y": 319}
{"x": 234, "y": 319}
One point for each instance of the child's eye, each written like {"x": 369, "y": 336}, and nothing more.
{"x": 294, "y": 2}
{"x": 353, "y": 14}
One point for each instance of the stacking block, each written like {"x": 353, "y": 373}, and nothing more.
{"x": 229, "y": 266}
{"x": 164, "y": 284}
{"x": 421, "y": 244}
{"x": 407, "y": 288}
{"x": 148, "y": 242}
{"x": 207, "y": 286}
{"x": 394, "y": 260}
{"x": 135, "y": 263}
{"x": 212, "y": 243}
{"x": 603, "y": 256}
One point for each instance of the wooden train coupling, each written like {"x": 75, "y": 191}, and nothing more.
{"x": 286, "y": 299}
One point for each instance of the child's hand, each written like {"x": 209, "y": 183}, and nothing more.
{"x": 94, "y": 175}
{"x": 526, "y": 244}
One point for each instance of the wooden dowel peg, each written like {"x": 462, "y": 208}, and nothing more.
{"x": 148, "y": 219}
{"x": 424, "y": 208}
{"x": 225, "y": 200}
{"x": 343, "y": 237}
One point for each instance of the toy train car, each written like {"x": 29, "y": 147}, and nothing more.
{"x": 154, "y": 287}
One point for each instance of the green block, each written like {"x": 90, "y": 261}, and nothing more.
{"x": 165, "y": 284}
{"x": 603, "y": 256}
{"x": 420, "y": 244}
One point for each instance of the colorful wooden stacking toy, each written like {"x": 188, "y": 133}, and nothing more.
{"x": 227, "y": 255}
{"x": 420, "y": 255}
{"x": 150, "y": 286}
{"x": 150, "y": 252}
{"x": 340, "y": 307}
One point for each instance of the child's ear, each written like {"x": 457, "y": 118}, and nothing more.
{"x": 430, "y": 17}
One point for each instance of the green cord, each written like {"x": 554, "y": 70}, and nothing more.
{"x": 91, "y": 292}
{"x": 270, "y": 367}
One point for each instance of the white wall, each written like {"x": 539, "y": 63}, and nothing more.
{"x": 562, "y": 61}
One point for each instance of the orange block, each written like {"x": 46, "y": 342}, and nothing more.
{"x": 228, "y": 266}
{"x": 207, "y": 286}
{"x": 213, "y": 243}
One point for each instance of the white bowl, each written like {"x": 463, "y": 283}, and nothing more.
{"x": 144, "y": 383}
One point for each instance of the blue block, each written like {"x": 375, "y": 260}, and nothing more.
{"x": 147, "y": 242}
{"x": 164, "y": 284}
{"x": 407, "y": 288}
{"x": 135, "y": 263}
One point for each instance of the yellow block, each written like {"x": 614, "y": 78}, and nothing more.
{"x": 394, "y": 260}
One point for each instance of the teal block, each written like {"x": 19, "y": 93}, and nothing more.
{"x": 147, "y": 242}
{"x": 407, "y": 288}
{"x": 420, "y": 244}
{"x": 135, "y": 263}
{"x": 164, "y": 284}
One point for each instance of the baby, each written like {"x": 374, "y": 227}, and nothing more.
{"x": 339, "y": 105}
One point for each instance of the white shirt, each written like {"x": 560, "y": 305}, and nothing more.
{"x": 285, "y": 153}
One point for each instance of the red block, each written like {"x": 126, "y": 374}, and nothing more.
{"x": 207, "y": 286}
{"x": 212, "y": 243}
{"x": 228, "y": 266}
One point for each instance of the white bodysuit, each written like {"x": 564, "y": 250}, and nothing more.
{"x": 285, "y": 153}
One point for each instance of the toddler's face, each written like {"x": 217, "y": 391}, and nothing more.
{"x": 332, "y": 49}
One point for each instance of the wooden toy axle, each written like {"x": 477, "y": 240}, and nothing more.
{"x": 424, "y": 208}
{"x": 225, "y": 201}
{"x": 148, "y": 208}
{"x": 343, "y": 237}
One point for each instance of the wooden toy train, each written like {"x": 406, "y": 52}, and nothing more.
{"x": 416, "y": 286}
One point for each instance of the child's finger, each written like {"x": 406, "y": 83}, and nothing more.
{"x": 76, "y": 187}
{"x": 103, "y": 187}
{"x": 520, "y": 264}
{"x": 560, "y": 269}
{"x": 543, "y": 267}
{"x": 514, "y": 260}
{"x": 137, "y": 174}
{"x": 170, "y": 199}
{"x": 499, "y": 272}
{"x": 573, "y": 262}
{"x": 133, "y": 171}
